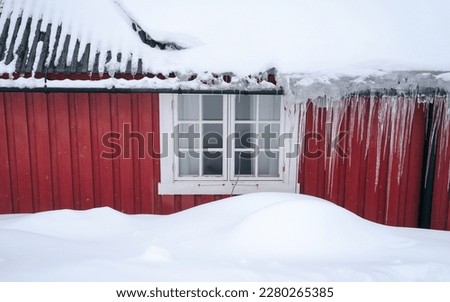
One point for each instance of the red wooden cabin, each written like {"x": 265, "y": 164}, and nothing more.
{"x": 83, "y": 129}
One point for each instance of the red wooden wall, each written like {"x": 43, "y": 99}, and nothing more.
{"x": 440, "y": 218}
{"x": 51, "y": 147}
{"x": 380, "y": 175}
{"x": 50, "y": 155}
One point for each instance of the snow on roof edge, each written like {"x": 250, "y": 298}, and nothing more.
{"x": 296, "y": 87}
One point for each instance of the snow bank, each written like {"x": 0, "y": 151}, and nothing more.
{"x": 257, "y": 237}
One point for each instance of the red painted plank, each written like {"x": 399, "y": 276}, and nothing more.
{"x": 353, "y": 163}
{"x": 407, "y": 149}
{"x": 168, "y": 204}
{"x": 75, "y": 154}
{"x": 103, "y": 167}
{"x": 83, "y": 131}
{"x": 364, "y": 130}
{"x": 147, "y": 188}
{"x": 95, "y": 147}
{"x": 187, "y": 201}
{"x": 341, "y": 144}
{"x": 207, "y": 199}
{"x": 6, "y": 206}
{"x": 126, "y": 161}
{"x": 63, "y": 148}
{"x": 116, "y": 163}
{"x": 42, "y": 134}
{"x": 311, "y": 153}
{"x": 138, "y": 150}
{"x": 23, "y": 165}
{"x": 372, "y": 193}
{"x": 53, "y": 151}
{"x": 415, "y": 167}
{"x": 12, "y": 152}
{"x": 35, "y": 199}
{"x": 94, "y": 120}
{"x": 157, "y": 147}
{"x": 321, "y": 130}
{"x": 177, "y": 204}
{"x": 389, "y": 158}
{"x": 441, "y": 190}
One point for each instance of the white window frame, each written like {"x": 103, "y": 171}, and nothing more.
{"x": 172, "y": 184}
{"x": 201, "y": 122}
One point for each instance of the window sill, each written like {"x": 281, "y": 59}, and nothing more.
{"x": 224, "y": 187}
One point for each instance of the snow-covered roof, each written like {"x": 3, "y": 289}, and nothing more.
{"x": 310, "y": 41}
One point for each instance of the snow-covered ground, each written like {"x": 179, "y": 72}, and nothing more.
{"x": 258, "y": 237}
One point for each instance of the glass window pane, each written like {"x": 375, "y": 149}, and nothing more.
{"x": 188, "y": 107}
{"x": 212, "y": 107}
{"x": 269, "y": 135}
{"x": 212, "y": 163}
{"x": 213, "y": 136}
{"x": 246, "y": 137}
{"x": 269, "y": 107}
{"x": 245, "y": 108}
{"x": 244, "y": 163}
{"x": 188, "y": 136}
{"x": 268, "y": 164}
{"x": 189, "y": 165}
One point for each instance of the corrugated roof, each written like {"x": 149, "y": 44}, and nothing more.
{"x": 29, "y": 45}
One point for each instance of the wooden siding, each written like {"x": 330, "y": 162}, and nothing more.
{"x": 51, "y": 146}
{"x": 380, "y": 178}
{"x": 50, "y": 156}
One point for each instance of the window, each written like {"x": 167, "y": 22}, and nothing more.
{"x": 219, "y": 144}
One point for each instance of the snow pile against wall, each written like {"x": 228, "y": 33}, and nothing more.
{"x": 308, "y": 239}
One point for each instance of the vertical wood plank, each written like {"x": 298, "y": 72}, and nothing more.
{"x": 187, "y": 202}
{"x": 168, "y": 204}
{"x": 321, "y": 130}
{"x": 6, "y": 198}
{"x": 364, "y": 130}
{"x": 415, "y": 166}
{"x": 75, "y": 153}
{"x": 83, "y": 130}
{"x": 353, "y": 163}
{"x": 103, "y": 167}
{"x": 310, "y": 153}
{"x": 63, "y": 149}
{"x": 146, "y": 176}
{"x": 116, "y": 163}
{"x": 23, "y": 165}
{"x": 138, "y": 151}
{"x": 42, "y": 134}
{"x": 371, "y": 195}
{"x": 157, "y": 147}
{"x": 126, "y": 161}
{"x": 441, "y": 188}
{"x": 31, "y": 123}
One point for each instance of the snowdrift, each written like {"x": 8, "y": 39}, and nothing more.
{"x": 256, "y": 237}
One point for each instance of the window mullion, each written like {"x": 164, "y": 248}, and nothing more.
{"x": 256, "y": 132}
{"x": 227, "y": 131}
{"x": 200, "y": 107}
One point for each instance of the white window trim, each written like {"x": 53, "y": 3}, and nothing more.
{"x": 171, "y": 185}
